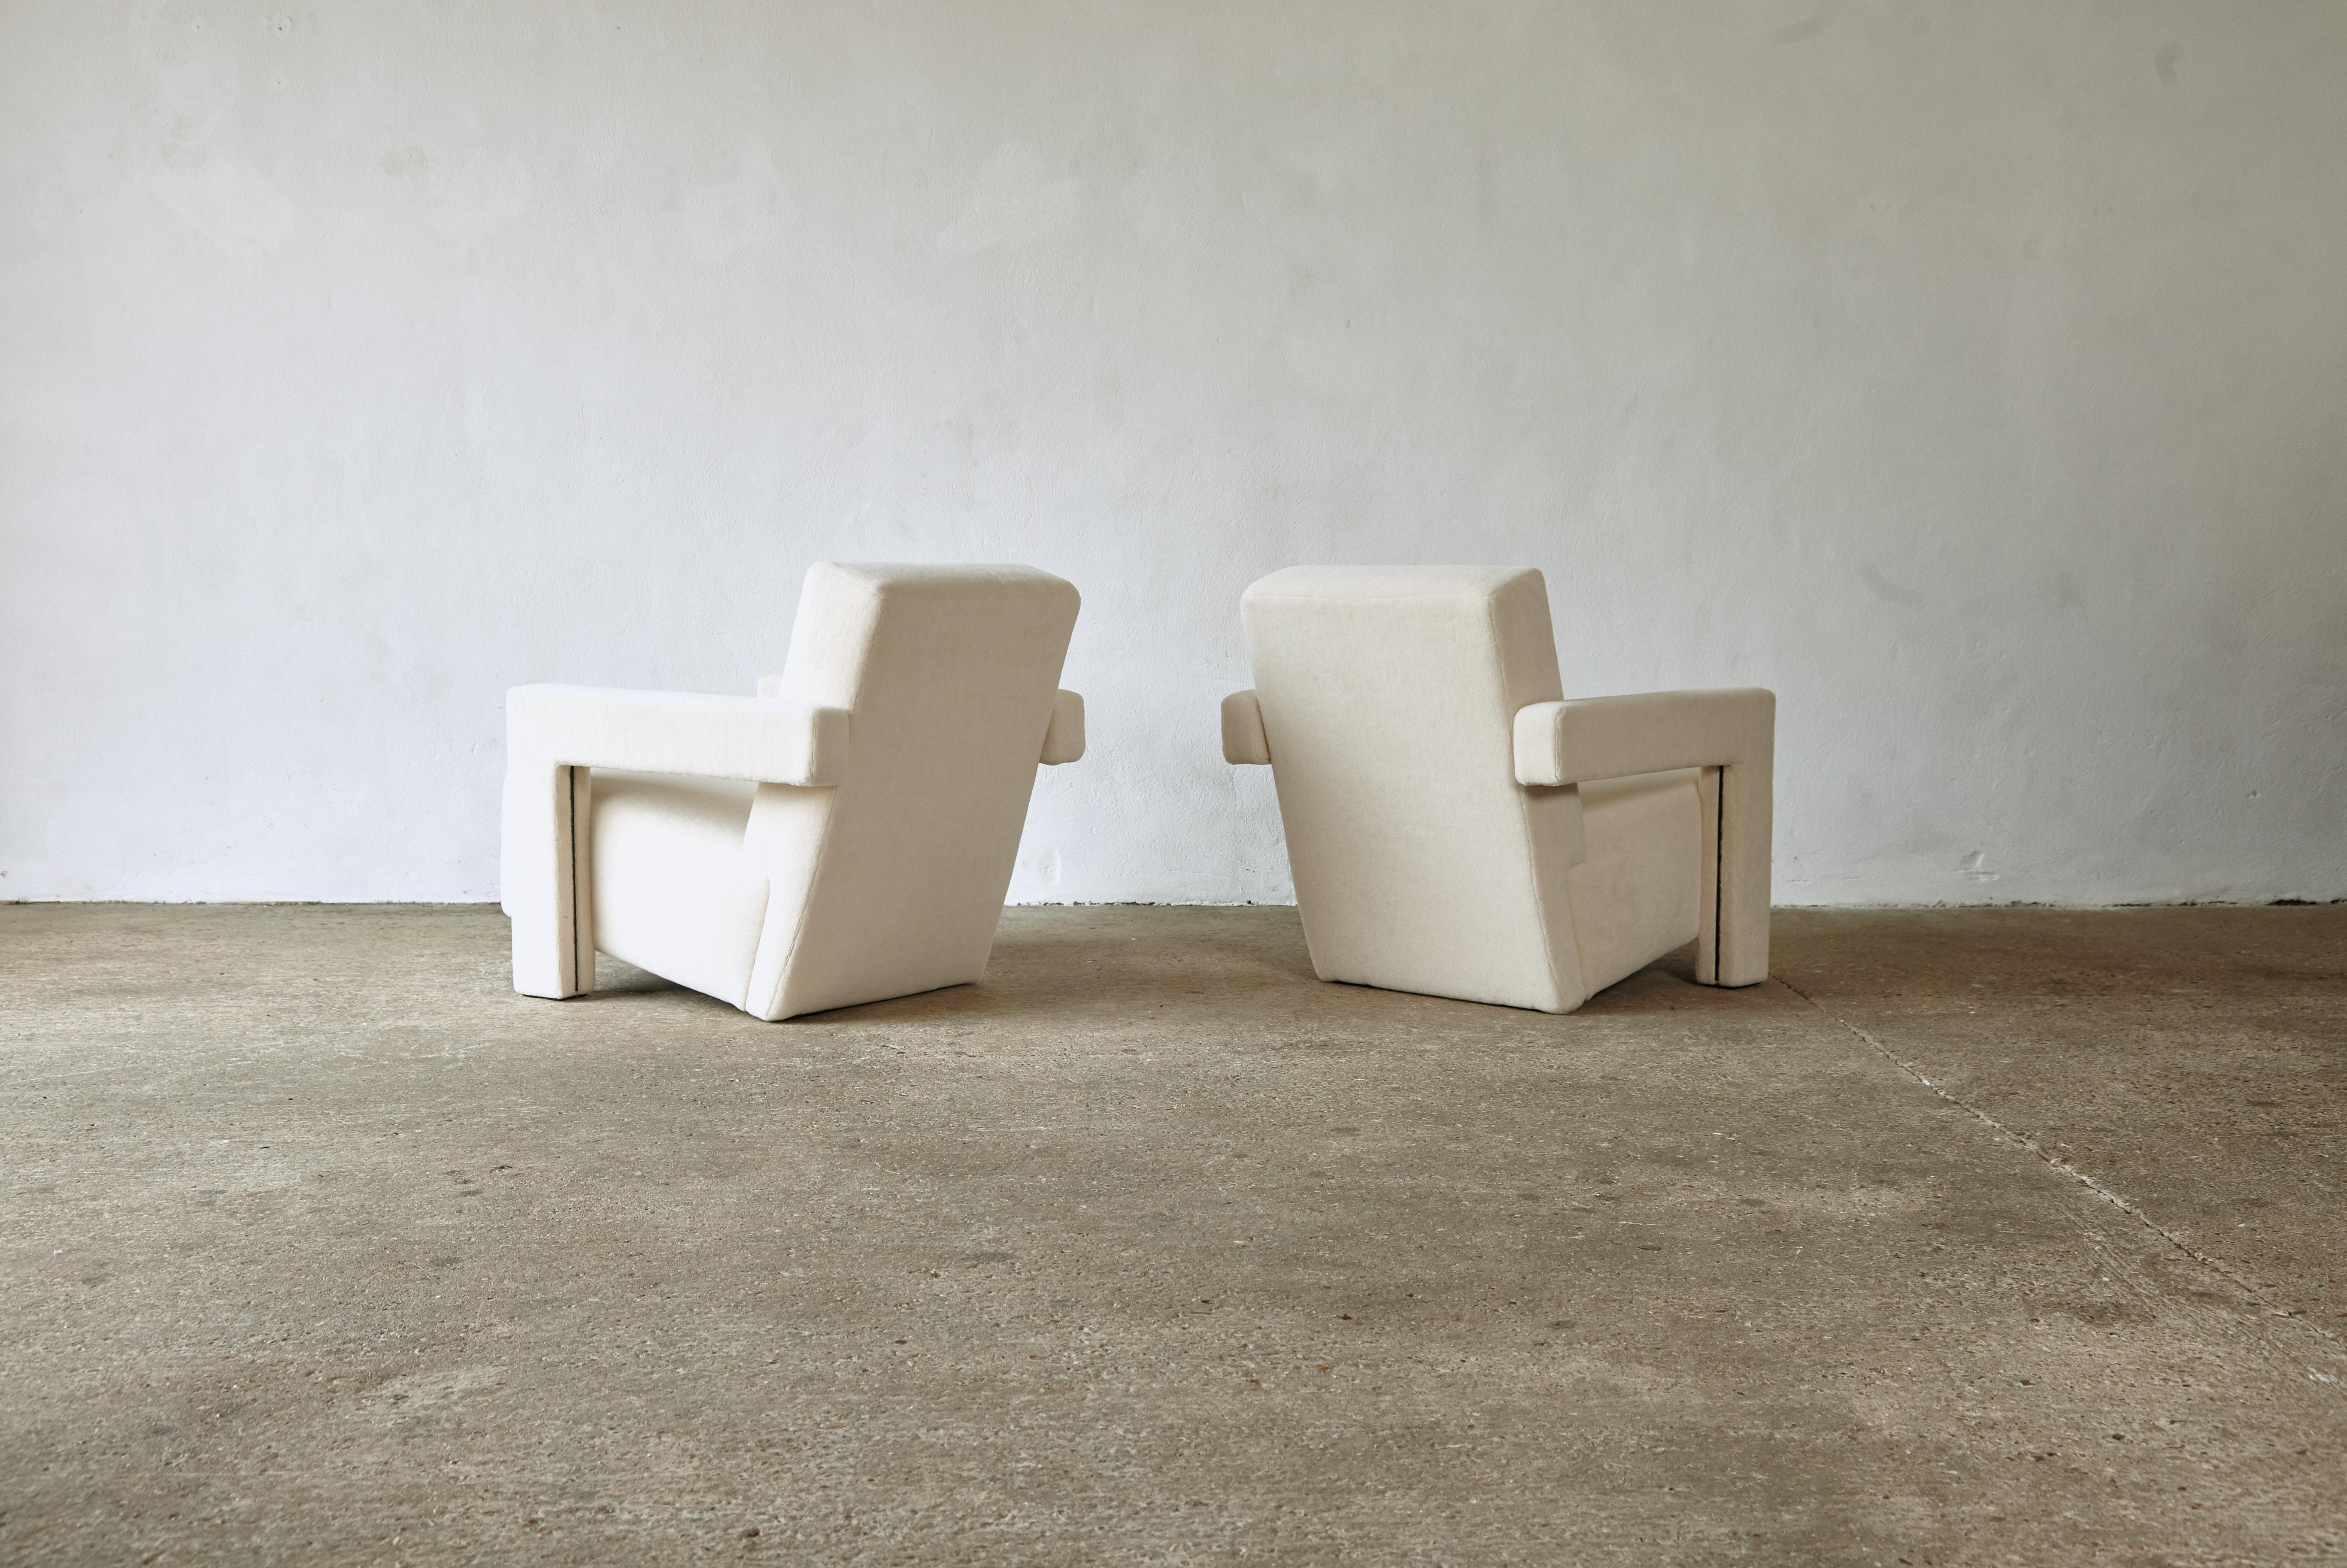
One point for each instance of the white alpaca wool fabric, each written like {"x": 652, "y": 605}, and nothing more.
{"x": 844, "y": 836}
{"x": 1455, "y": 827}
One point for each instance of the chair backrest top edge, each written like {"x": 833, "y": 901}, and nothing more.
{"x": 1373, "y": 583}
{"x": 915, "y": 576}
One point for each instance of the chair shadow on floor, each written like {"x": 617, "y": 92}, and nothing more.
{"x": 1100, "y": 962}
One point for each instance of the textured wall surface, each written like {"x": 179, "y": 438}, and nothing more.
{"x": 1973, "y": 374}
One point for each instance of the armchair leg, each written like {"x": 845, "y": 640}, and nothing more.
{"x": 1739, "y": 810}
{"x": 548, "y": 881}
{"x": 1707, "y": 930}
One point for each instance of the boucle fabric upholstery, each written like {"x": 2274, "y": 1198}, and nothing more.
{"x": 844, "y": 836}
{"x": 1454, "y": 827}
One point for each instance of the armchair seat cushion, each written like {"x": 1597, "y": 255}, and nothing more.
{"x": 1633, "y": 898}
{"x": 673, "y": 892}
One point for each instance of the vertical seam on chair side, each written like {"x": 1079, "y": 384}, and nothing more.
{"x": 807, "y": 897}
{"x": 1524, "y": 826}
{"x": 766, "y": 882}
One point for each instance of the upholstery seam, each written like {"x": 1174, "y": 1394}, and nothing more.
{"x": 1524, "y": 824}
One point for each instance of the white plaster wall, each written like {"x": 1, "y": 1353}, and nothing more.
{"x": 1975, "y": 374}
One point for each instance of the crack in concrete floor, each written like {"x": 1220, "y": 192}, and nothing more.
{"x": 2022, "y": 1142}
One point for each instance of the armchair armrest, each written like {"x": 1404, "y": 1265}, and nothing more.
{"x": 767, "y": 740}
{"x": 1731, "y": 735}
{"x": 1651, "y": 733}
{"x": 1243, "y": 738}
{"x": 1063, "y": 738}
{"x": 556, "y": 736}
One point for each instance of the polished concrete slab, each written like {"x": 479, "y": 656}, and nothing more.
{"x": 323, "y": 1246}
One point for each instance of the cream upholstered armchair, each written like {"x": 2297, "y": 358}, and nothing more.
{"x": 846, "y": 836}
{"x": 1455, "y": 827}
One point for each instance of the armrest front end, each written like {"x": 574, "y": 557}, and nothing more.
{"x": 1064, "y": 737}
{"x": 1731, "y": 735}
{"x": 1243, "y": 741}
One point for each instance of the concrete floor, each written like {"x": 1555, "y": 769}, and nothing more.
{"x": 323, "y": 1246}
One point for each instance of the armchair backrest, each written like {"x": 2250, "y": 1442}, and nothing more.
{"x": 892, "y": 880}
{"x": 1389, "y": 696}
